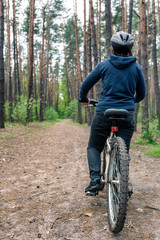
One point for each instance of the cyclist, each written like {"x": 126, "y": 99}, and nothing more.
{"x": 123, "y": 86}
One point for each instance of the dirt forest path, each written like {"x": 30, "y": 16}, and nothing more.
{"x": 43, "y": 175}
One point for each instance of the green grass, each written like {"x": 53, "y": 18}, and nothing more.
{"x": 43, "y": 123}
{"x": 76, "y": 123}
{"x": 141, "y": 141}
{"x": 7, "y": 134}
{"x": 154, "y": 151}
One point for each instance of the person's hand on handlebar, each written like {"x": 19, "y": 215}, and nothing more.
{"x": 86, "y": 104}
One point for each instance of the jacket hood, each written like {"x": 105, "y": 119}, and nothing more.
{"x": 121, "y": 62}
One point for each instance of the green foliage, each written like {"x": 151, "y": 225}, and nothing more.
{"x": 20, "y": 111}
{"x": 50, "y": 114}
{"x": 70, "y": 42}
{"x": 152, "y": 134}
{"x": 154, "y": 151}
{"x": 7, "y": 111}
{"x": 72, "y": 110}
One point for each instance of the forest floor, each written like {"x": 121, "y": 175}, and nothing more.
{"x": 44, "y": 172}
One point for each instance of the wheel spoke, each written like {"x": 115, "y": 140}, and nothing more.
{"x": 115, "y": 203}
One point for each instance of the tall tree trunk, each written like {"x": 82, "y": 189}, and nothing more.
{"x": 152, "y": 93}
{"x": 99, "y": 32}
{"x": 90, "y": 110}
{"x": 14, "y": 53}
{"x": 67, "y": 74}
{"x": 84, "y": 44}
{"x": 139, "y": 60}
{"x": 30, "y": 61}
{"x": 144, "y": 64}
{"x": 130, "y": 16}
{"x": 47, "y": 62}
{"x": 9, "y": 63}
{"x": 108, "y": 25}
{"x": 41, "y": 113}
{"x": 56, "y": 86}
{"x": 79, "y": 77}
{"x": 123, "y": 15}
{"x": 20, "y": 72}
{"x": 35, "y": 89}
{"x": 126, "y": 15}
{"x": 155, "y": 69}
{"x": 17, "y": 89}
{"x": 159, "y": 22}
{"x": 98, "y": 85}
{"x": 2, "y": 79}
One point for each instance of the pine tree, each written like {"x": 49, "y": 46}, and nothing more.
{"x": 41, "y": 112}
{"x": 2, "y": 80}
{"x": 9, "y": 62}
{"x": 108, "y": 25}
{"x": 144, "y": 64}
{"x": 30, "y": 60}
{"x": 130, "y": 16}
{"x": 84, "y": 44}
{"x": 79, "y": 74}
{"x": 155, "y": 68}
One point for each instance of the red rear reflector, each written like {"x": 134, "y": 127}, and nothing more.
{"x": 114, "y": 129}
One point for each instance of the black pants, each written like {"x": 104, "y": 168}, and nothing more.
{"x": 100, "y": 130}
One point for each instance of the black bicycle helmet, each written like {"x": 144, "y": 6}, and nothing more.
{"x": 122, "y": 40}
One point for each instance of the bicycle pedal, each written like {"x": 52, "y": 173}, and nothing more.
{"x": 130, "y": 190}
{"x": 93, "y": 194}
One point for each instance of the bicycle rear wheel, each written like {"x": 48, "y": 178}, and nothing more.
{"x": 118, "y": 185}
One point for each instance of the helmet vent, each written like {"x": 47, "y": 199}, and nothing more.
{"x": 124, "y": 39}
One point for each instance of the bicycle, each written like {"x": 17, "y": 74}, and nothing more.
{"x": 115, "y": 171}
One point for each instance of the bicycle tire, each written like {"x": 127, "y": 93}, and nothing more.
{"x": 118, "y": 173}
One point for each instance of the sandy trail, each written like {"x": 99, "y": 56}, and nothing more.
{"x": 43, "y": 175}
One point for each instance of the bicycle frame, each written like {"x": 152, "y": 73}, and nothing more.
{"x": 107, "y": 157}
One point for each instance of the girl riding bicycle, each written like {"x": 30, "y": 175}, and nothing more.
{"x": 123, "y": 86}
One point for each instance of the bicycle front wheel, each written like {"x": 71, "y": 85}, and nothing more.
{"x": 118, "y": 185}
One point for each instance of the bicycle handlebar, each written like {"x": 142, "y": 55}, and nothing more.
{"x": 91, "y": 102}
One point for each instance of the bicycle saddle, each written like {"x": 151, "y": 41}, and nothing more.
{"x": 114, "y": 113}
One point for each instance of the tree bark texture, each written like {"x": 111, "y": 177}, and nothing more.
{"x": 84, "y": 44}
{"x": 14, "y": 53}
{"x": 9, "y": 62}
{"x": 123, "y": 15}
{"x": 30, "y": 60}
{"x": 41, "y": 112}
{"x": 67, "y": 74}
{"x": 47, "y": 62}
{"x": 79, "y": 74}
{"x": 2, "y": 79}
{"x": 155, "y": 69}
{"x": 144, "y": 64}
{"x": 99, "y": 32}
{"x": 108, "y": 25}
{"x": 130, "y": 16}
{"x": 17, "y": 87}
{"x": 90, "y": 111}
{"x": 98, "y": 85}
